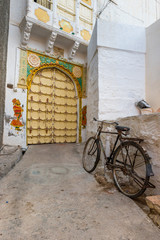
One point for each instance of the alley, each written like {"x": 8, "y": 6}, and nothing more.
{"x": 49, "y": 196}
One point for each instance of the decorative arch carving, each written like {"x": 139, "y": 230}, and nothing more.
{"x": 61, "y": 68}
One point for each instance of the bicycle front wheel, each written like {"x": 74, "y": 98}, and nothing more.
{"x": 130, "y": 169}
{"x": 91, "y": 155}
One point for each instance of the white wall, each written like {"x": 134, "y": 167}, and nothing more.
{"x": 133, "y": 12}
{"x": 116, "y": 70}
{"x": 121, "y": 82}
{"x": 17, "y": 10}
{"x": 153, "y": 65}
{"x": 92, "y": 95}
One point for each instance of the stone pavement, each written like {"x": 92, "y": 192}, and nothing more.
{"x": 9, "y": 157}
{"x": 49, "y": 196}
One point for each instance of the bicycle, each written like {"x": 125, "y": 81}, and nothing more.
{"x": 129, "y": 162}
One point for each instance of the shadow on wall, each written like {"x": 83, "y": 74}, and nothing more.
{"x": 147, "y": 127}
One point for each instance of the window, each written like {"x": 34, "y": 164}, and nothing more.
{"x": 46, "y": 3}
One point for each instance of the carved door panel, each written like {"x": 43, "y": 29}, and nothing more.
{"x": 52, "y": 108}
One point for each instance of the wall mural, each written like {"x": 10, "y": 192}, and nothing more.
{"x": 17, "y": 123}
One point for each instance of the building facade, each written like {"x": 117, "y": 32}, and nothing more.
{"x": 46, "y": 76}
{"x": 46, "y": 82}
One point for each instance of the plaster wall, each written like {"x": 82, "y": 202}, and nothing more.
{"x": 133, "y": 12}
{"x": 18, "y": 11}
{"x": 152, "y": 65}
{"x": 11, "y": 136}
{"x": 120, "y": 62}
{"x": 148, "y": 128}
{"x": 121, "y": 82}
{"x": 92, "y": 95}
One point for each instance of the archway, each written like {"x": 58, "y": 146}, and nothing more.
{"x": 52, "y": 108}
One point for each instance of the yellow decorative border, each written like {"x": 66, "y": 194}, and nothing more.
{"x": 54, "y": 65}
{"x": 61, "y": 68}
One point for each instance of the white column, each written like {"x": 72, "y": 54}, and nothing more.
{"x": 55, "y": 20}
{"x": 29, "y": 8}
{"x": 77, "y": 17}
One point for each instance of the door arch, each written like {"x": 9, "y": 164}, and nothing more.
{"x": 52, "y": 108}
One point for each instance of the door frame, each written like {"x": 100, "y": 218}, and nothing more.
{"x": 77, "y": 89}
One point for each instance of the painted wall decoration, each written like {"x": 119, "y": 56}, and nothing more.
{"x": 89, "y": 2}
{"x": 34, "y": 60}
{"x": 17, "y": 123}
{"x": 85, "y": 34}
{"x": 77, "y": 72}
{"x": 42, "y": 15}
{"x": 66, "y": 26}
{"x": 22, "y": 83}
{"x": 53, "y": 62}
{"x": 84, "y": 116}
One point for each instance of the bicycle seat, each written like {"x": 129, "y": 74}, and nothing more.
{"x": 121, "y": 128}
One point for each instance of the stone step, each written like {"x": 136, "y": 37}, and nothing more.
{"x": 153, "y": 203}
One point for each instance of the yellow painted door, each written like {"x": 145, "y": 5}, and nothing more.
{"x": 52, "y": 108}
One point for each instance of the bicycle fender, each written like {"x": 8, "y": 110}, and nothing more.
{"x": 149, "y": 170}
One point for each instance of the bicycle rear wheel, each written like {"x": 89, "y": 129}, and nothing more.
{"x": 130, "y": 169}
{"x": 91, "y": 155}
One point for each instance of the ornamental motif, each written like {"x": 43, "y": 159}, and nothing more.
{"x": 34, "y": 60}
{"x": 77, "y": 72}
{"x": 65, "y": 26}
{"x": 89, "y": 2}
{"x": 85, "y": 35}
{"x": 16, "y": 122}
{"x": 42, "y": 15}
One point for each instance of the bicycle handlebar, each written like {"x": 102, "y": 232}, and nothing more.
{"x": 104, "y": 121}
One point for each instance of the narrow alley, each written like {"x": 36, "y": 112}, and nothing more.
{"x": 49, "y": 196}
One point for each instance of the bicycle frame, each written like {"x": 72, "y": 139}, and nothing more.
{"x": 119, "y": 138}
{"x": 108, "y": 159}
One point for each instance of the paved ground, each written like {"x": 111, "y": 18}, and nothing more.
{"x": 9, "y": 156}
{"x": 49, "y": 196}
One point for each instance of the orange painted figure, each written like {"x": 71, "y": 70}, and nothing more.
{"x": 18, "y": 114}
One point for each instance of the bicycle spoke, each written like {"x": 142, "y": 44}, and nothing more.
{"x": 129, "y": 170}
{"x": 129, "y": 157}
{"x": 90, "y": 155}
{"x": 139, "y": 165}
{"x": 138, "y": 182}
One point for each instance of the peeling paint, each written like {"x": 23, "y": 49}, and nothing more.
{"x": 7, "y": 118}
{"x": 11, "y": 134}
